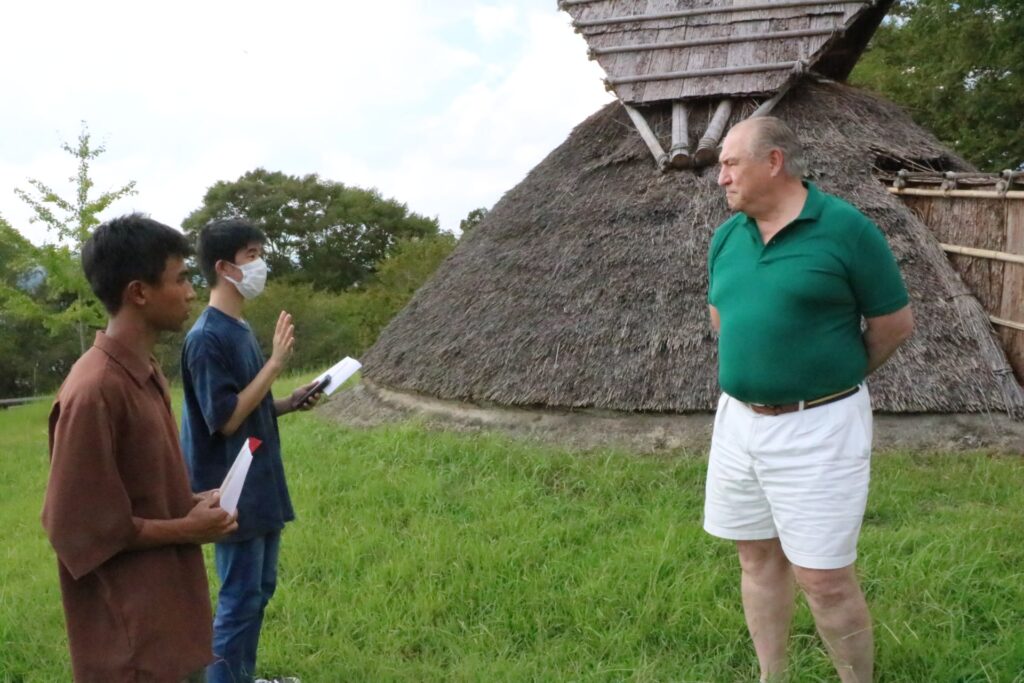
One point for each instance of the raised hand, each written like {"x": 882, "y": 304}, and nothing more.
{"x": 284, "y": 340}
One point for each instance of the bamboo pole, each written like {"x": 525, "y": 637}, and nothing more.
{"x": 976, "y": 194}
{"x": 982, "y": 253}
{"x": 766, "y": 107}
{"x": 707, "y": 150}
{"x": 703, "y": 73}
{"x": 660, "y": 158}
{"x": 679, "y": 155}
{"x": 1006, "y": 323}
{"x": 721, "y": 40}
{"x": 725, "y": 9}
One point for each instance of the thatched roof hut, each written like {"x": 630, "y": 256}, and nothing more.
{"x": 586, "y": 285}
{"x": 584, "y": 290}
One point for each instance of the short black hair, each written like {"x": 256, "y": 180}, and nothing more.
{"x": 221, "y": 240}
{"x": 132, "y": 247}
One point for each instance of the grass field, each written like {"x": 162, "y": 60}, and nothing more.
{"x": 424, "y": 556}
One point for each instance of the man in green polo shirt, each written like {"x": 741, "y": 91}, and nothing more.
{"x": 791, "y": 277}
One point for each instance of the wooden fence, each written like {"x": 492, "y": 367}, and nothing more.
{"x": 11, "y": 402}
{"x": 979, "y": 221}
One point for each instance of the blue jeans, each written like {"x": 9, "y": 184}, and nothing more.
{"x": 248, "y": 577}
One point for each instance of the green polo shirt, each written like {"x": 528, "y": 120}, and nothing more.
{"x": 791, "y": 309}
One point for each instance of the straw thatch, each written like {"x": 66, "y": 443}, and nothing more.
{"x": 586, "y": 284}
{"x": 654, "y": 50}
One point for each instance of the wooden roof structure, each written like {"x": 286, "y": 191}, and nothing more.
{"x": 685, "y": 51}
{"x": 585, "y": 287}
{"x": 658, "y": 50}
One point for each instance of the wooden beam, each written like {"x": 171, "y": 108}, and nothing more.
{"x": 701, "y": 73}
{"x": 976, "y": 194}
{"x": 679, "y": 155}
{"x": 11, "y": 402}
{"x": 768, "y": 105}
{"x": 707, "y": 149}
{"x": 982, "y": 253}
{"x": 660, "y": 158}
{"x": 721, "y": 40}
{"x": 1006, "y": 323}
{"x": 1012, "y": 303}
{"x": 725, "y": 9}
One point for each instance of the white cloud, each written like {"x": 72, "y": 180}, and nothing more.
{"x": 443, "y": 106}
{"x": 493, "y": 21}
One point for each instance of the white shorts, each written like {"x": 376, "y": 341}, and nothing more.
{"x": 801, "y": 477}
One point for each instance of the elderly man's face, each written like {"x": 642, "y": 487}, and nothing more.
{"x": 745, "y": 178}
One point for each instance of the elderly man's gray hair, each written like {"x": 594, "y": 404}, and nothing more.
{"x": 773, "y": 133}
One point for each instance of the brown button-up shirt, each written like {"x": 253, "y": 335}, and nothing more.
{"x": 132, "y": 615}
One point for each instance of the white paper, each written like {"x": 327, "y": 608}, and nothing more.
{"x": 231, "y": 489}
{"x": 339, "y": 372}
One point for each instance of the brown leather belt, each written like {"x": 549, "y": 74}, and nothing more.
{"x": 762, "y": 409}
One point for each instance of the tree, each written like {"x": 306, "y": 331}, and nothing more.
{"x": 72, "y": 222}
{"x": 958, "y": 67}
{"x": 31, "y": 359}
{"x": 398, "y": 277}
{"x": 472, "y": 220}
{"x": 318, "y": 231}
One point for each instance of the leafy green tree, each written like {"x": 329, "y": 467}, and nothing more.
{"x": 31, "y": 360}
{"x": 71, "y": 221}
{"x": 319, "y": 232}
{"x": 958, "y": 66}
{"x": 472, "y": 219}
{"x": 396, "y": 280}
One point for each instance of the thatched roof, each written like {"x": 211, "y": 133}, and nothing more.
{"x": 653, "y": 50}
{"x": 586, "y": 285}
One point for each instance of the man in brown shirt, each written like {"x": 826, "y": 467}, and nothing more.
{"x": 119, "y": 511}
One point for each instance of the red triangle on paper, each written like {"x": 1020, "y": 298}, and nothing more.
{"x": 254, "y": 443}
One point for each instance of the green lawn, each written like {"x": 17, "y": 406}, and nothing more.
{"x": 424, "y": 556}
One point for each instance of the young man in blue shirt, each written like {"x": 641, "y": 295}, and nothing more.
{"x": 228, "y": 399}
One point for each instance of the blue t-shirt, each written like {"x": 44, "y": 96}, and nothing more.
{"x": 221, "y": 357}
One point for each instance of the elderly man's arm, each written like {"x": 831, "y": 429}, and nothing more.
{"x": 885, "y": 334}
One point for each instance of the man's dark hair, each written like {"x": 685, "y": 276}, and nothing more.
{"x": 132, "y": 247}
{"x": 221, "y": 240}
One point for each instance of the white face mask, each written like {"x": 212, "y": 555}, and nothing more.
{"x": 254, "y": 277}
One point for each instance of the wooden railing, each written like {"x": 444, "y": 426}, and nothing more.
{"x": 985, "y": 209}
{"x": 12, "y": 402}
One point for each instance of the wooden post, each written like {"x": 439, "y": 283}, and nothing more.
{"x": 679, "y": 156}
{"x": 660, "y": 158}
{"x": 1012, "y": 306}
{"x": 707, "y": 150}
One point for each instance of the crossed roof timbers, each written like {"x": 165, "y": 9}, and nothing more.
{"x": 687, "y": 52}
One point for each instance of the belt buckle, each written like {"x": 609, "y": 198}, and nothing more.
{"x": 768, "y": 409}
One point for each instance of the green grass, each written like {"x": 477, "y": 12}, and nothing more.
{"x": 424, "y": 556}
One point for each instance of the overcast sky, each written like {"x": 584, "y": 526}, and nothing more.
{"x": 443, "y": 105}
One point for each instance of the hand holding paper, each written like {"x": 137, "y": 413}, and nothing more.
{"x": 338, "y": 374}
{"x": 207, "y": 521}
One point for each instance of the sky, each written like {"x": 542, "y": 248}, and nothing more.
{"x": 443, "y": 105}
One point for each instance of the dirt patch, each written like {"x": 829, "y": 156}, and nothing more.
{"x": 368, "y": 405}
